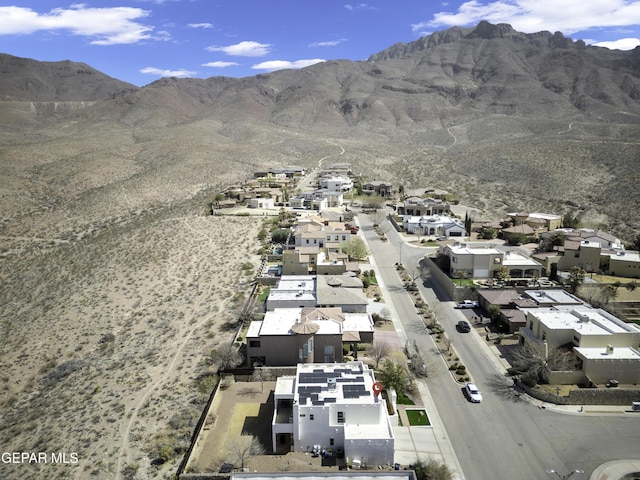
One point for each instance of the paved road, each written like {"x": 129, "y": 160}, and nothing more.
{"x": 504, "y": 437}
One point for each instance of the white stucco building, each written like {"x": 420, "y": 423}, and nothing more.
{"x": 606, "y": 347}
{"x": 434, "y": 225}
{"x": 332, "y": 408}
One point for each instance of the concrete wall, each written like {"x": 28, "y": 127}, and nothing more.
{"x": 454, "y": 292}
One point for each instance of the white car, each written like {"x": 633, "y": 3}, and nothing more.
{"x": 473, "y": 393}
{"x": 467, "y": 304}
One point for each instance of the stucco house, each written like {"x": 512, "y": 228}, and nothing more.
{"x": 482, "y": 262}
{"x": 287, "y": 336}
{"x": 606, "y": 347}
{"x": 422, "y": 207}
{"x": 333, "y": 408}
{"x": 434, "y": 225}
{"x": 377, "y": 187}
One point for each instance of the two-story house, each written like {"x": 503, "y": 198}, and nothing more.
{"x": 334, "y": 409}
{"x": 287, "y": 336}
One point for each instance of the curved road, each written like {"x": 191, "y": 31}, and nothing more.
{"x": 504, "y": 437}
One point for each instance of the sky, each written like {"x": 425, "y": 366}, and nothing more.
{"x": 140, "y": 41}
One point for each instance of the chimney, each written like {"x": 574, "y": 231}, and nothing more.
{"x": 609, "y": 349}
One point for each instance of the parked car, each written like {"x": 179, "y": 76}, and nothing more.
{"x": 473, "y": 393}
{"x": 463, "y": 326}
{"x": 467, "y": 304}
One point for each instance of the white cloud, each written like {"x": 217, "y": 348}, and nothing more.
{"x": 359, "y": 6}
{"x": 200, "y": 25}
{"x": 219, "y": 64}
{"x": 106, "y": 26}
{"x": 331, "y": 43}
{"x": 535, "y": 15}
{"x": 283, "y": 64}
{"x": 159, "y": 72}
{"x": 621, "y": 44}
{"x": 243, "y": 49}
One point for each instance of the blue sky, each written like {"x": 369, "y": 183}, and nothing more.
{"x": 139, "y": 41}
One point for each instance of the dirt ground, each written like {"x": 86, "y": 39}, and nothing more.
{"x": 246, "y": 408}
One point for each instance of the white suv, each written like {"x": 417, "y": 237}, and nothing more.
{"x": 473, "y": 393}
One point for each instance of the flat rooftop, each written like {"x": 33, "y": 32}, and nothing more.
{"x": 323, "y": 383}
{"x": 619, "y": 353}
{"x": 552, "y": 296}
{"x": 582, "y": 319}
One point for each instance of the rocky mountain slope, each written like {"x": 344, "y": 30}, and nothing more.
{"x": 26, "y": 80}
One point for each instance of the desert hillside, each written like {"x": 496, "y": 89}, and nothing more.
{"x": 116, "y": 287}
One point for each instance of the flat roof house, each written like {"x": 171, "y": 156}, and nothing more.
{"x": 332, "y": 408}
{"x": 482, "y": 262}
{"x": 606, "y": 347}
{"x": 287, "y": 336}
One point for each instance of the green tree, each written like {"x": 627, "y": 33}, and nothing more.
{"x": 488, "y": 233}
{"x": 501, "y": 273}
{"x": 355, "y": 249}
{"x": 280, "y": 235}
{"x": 576, "y": 278}
{"x": 262, "y": 234}
{"x": 518, "y": 238}
{"x": 468, "y": 220}
{"x": 393, "y": 375}
{"x": 432, "y": 470}
{"x": 570, "y": 221}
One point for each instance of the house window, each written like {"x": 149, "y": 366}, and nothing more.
{"x": 331, "y": 441}
{"x": 254, "y": 343}
{"x": 344, "y": 238}
{"x": 311, "y": 416}
{"x": 329, "y": 354}
{"x": 340, "y": 417}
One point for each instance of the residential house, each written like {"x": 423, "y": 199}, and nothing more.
{"x": 482, "y": 262}
{"x": 293, "y": 291}
{"x": 593, "y": 252}
{"x": 304, "y": 291}
{"x": 384, "y": 189}
{"x": 336, "y": 409}
{"x": 423, "y": 207}
{"x": 428, "y": 191}
{"x": 309, "y": 201}
{"x": 605, "y": 347}
{"x": 513, "y": 305}
{"x": 287, "y": 336}
{"x": 340, "y": 183}
{"x": 301, "y": 261}
{"x": 342, "y": 291}
{"x": 539, "y": 222}
{"x": 518, "y": 230}
{"x": 262, "y": 203}
{"x": 436, "y": 225}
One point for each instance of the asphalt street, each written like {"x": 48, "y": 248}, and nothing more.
{"x": 504, "y": 437}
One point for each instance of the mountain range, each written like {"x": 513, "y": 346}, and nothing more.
{"x": 503, "y": 118}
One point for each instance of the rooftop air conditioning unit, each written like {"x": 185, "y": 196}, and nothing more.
{"x": 331, "y": 382}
